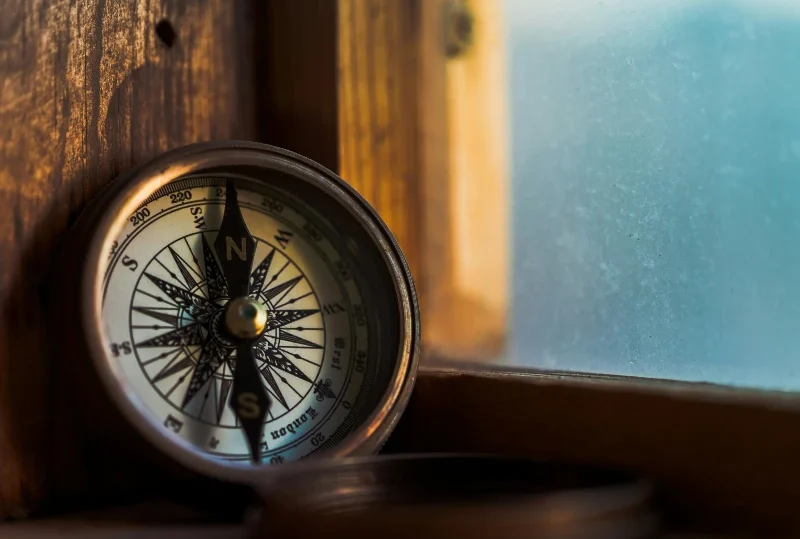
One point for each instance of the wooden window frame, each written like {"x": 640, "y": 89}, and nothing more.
{"x": 420, "y": 130}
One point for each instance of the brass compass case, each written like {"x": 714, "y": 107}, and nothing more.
{"x": 370, "y": 260}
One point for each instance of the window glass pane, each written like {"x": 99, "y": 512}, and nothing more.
{"x": 656, "y": 188}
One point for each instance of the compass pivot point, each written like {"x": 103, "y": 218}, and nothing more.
{"x": 245, "y": 318}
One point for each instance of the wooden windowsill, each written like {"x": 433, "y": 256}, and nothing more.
{"x": 722, "y": 459}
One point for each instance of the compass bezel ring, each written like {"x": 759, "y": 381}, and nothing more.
{"x": 105, "y": 218}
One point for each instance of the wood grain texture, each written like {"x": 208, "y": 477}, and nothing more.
{"x": 87, "y": 90}
{"x": 378, "y": 110}
{"x": 296, "y": 77}
{"x": 393, "y": 129}
{"x": 424, "y": 139}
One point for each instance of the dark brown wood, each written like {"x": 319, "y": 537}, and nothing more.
{"x": 87, "y": 90}
{"x": 155, "y": 519}
{"x": 127, "y": 530}
{"x": 723, "y": 459}
{"x": 296, "y": 77}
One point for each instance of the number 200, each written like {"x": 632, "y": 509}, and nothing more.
{"x": 139, "y": 217}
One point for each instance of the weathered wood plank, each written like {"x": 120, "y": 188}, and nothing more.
{"x": 88, "y": 90}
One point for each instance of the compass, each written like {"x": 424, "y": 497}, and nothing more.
{"x": 243, "y": 307}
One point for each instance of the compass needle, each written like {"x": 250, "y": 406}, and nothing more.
{"x": 249, "y": 397}
{"x": 245, "y": 319}
{"x": 239, "y": 327}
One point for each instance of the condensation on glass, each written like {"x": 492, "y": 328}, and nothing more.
{"x": 656, "y": 188}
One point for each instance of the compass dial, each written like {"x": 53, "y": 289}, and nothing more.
{"x": 308, "y": 310}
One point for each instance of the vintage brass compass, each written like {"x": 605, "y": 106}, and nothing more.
{"x": 243, "y": 307}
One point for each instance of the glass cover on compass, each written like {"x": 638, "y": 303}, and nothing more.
{"x": 273, "y": 267}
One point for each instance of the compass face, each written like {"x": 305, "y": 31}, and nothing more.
{"x": 164, "y": 305}
{"x": 327, "y": 353}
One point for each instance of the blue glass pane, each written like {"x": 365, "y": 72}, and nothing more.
{"x": 656, "y": 183}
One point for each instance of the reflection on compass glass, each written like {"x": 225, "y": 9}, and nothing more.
{"x": 246, "y": 322}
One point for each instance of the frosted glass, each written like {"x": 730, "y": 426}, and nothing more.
{"x": 656, "y": 183}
